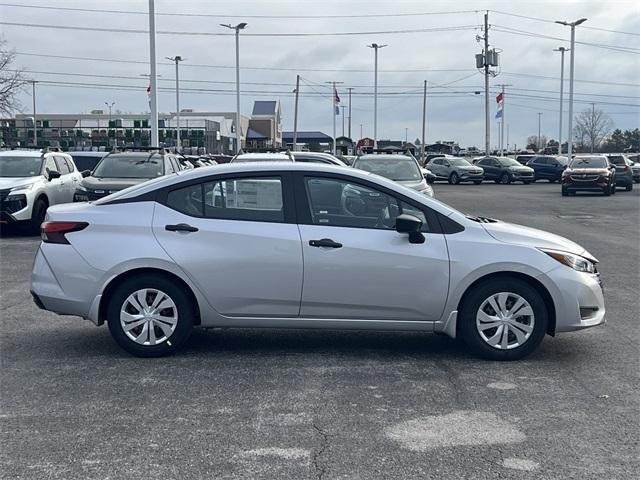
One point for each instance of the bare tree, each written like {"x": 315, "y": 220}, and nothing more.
{"x": 592, "y": 128}
{"x": 12, "y": 80}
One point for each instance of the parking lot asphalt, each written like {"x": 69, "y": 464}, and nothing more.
{"x": 256, "y": 404}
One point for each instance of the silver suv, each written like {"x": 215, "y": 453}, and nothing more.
{"x": 455, "y": 170}
{"x": 31, "y": 181}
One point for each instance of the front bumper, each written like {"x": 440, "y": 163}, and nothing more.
{"x": 578, "y": 298}
{"x": 469, "y": 177}
{"x": 14, "y": 207}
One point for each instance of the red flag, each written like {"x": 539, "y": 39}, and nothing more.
{"x": 499, "y": 98}
{"x": 336, "y": 98}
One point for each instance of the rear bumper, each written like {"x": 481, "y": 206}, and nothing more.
{"x": 623, "y": 181}
{"x": 72, "y": 289}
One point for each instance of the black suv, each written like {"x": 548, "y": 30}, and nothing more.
{"x": 125, "y": 168}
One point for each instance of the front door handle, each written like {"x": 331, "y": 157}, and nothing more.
{"x": 181, "y": 227}
{"x": 325, "y": 242}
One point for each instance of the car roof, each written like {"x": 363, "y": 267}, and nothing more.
{"x": 23, "y": 153}
{"x": 371, "y": 156}
{"x": 269, "y": 155}
{"x": 277, "y": 166}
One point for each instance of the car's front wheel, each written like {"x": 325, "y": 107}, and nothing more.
{"x": 505, "y": 178}
{"x": 37, "y": 215}
{"x": 454, "y": 179}
{"x": 503, "y": 319}
{"x": 150, "y": 316}
{"x": 629, "y": 187}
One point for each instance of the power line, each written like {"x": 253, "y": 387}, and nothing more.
{"x": 208, "y": 15}
{"x": 319, "y": 69}
{"x": 546, "y": 20}
{"x": 220, "y": 34}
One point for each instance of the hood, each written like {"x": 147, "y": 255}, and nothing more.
{"x": 590, "y": 171}
{"x": 418, "y": 185}
{"x": 471, "y": 168}
{"x": 110, "y": 184}
{"x": 521, "y": 168}
{"x": 13, "y": 182}
{"x": 532, "y": 237}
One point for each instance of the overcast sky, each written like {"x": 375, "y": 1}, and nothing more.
{"x": 607, "y": 75}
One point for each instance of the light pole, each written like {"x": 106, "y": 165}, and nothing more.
{"x": 177, "y": 59}
{"x": 571, "y": 63}
{"x": 539, "y": 117}
{"x": 375, "y": 47}
{"x": 237, "y": 28}
{"x": 110, "y": 106}
{"x": 561, "y": 50}
{"x": 35, "y": 128}
{"x": 153, "y": 104}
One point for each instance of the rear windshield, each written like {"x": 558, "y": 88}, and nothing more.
{"x": 20, "y": 166}
{"x": 588, "y": 162}
{"x": 130, "y": 166}
{"x": 395, "y": 167}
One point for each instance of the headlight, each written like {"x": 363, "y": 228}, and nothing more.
{"x": 27, "y": 187}
{"x": 576, "y": 262}
{"x": 80, "y": 188}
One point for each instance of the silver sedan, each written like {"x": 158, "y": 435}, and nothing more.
{"x": 274, "y": 244}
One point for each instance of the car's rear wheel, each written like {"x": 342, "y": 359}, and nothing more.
{"x": 629, "y": 187}
{"x": 37, "y": 215}
{"x": 526, "y": 182}
{"x": 454, "y": 179}
{"x": 503, "y": 319}
{"x": 150, "y": 316}
{"x": 505, "y": 178}
{"x": 477, "y": 182}
{"x": 552, "y": 180}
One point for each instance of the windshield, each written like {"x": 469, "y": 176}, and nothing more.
{"x": 393, "y": 167}
{"x": 588, "y": 162}
{"x": 260, "y": 158}
{"x": 458, "y": 162}
{"x": 508, "y": 162}
{"x": 20, "y": 166}
{"x": 130, "y": 166}
{"x": 562, "y": 160}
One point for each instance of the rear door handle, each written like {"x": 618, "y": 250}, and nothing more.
{"x": 325, "y": 242}
{"x": 181, "y": 227}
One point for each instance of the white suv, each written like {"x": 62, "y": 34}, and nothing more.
{"x": 31, "y": 181}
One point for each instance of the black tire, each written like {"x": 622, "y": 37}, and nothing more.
{"x": 552, "y": 180}
{"x": 526, "y": 182}
{"x": 37, "y": 215}
{"x": 473, "y": 301}
{"x": 185, "y": 312}
{"x": 613, "y": 189}
{"x": 629, "y": 187}
{"x": 565, "y": 192}
{"x": 608, "y": 190}
{"x": 454, "y": 179}
{"x": 477, "y": 182}
{"x": 505, "y": 179}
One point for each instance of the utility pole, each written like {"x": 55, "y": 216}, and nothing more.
{"x": 487, "y": 127}
{"x": 375, "y": 47}
{"x": 424, "y": 119}
{"x": 571, "y": 70}
{"x": 507, "y": 138}
{"x": 35, "y": 128}
{"x": 592, "y": 126}
{"x": 350, "y": 88}
{"x": 360, "y": 131}
{"x": 406, "y": 140}
{"x": 539, "y": 117}
{"x": 561, "y": 50}
{"x": 177, "y": 59}
{"x": 237, "y": 29}
{"x": 153, "y": 75}
{"x": 334, "y": 104}
{"x": 343, "y": 107}
{"x": 295, "y": 115}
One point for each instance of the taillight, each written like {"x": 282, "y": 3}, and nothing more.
{"x": 54, "y": 232}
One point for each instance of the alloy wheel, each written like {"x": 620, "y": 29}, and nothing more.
{"x": 148, "y": 316}
{"x": 505, "y": 320}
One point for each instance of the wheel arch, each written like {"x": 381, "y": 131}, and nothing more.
{"x": 110, "y": 288}
{"x": 539, "y": 287}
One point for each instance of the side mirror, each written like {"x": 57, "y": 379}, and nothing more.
{"x": 53, "y": 174}
{"x": 86, "y": 173}
{"x": 409, "y": 224}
